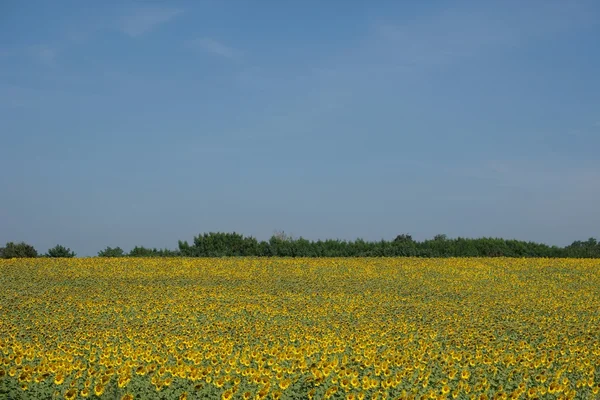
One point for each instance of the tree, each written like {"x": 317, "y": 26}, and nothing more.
{"x": 404, "y": 238}
{"x": 18, "y": 250}
{"x": 440, "y": 237}
{"x": 281, "y": 235}
{"x": 141, "y": 251}
{"x": 110, "y": 252}
{"x": 60, "y": 251}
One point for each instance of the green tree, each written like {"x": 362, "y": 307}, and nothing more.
{"x": 18, "y": 250}
{"x": 404, "y": 238}
{"x": 110, "y": 252}
{"x": 141, "y": 251}
{"x": 60, "y": 251}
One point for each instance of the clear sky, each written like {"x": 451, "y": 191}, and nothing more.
{"x": 146, "y": 122}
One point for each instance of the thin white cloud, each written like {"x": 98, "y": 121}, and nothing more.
{"x": 528, "y": 173}
{"x": 215, "y": 47}
{"x": 455, "y": 34}
{"x": 44, "y": 54}
{"x": 146, "y": 19}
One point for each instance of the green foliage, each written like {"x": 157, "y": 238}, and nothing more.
{"x": 141, "y": 251}
{"x": 60, "y": 251}
{"x": 588, "y": 249}
{"x": 217, "y": 244}
{"x": 18, "y": 250}
{"x": 110, "y": 252}
{"x": 404, "y": 238}
{"x": 282, "y": 245}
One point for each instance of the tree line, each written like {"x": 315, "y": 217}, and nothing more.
{"x": 220, "y": 244}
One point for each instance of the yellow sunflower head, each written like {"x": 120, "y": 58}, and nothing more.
{"x": 71, "y": 394}
{"x": 59, "y": 379}
{"x": 227, "y": 395}
{"x": 98, "y": 390}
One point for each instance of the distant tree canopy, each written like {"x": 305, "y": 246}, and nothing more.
{"x": 219, "y": 244}
{"x": 18, "y": 250}
{"x": 59, "y": 251}
{"x": 110, "y": 252}
{"x": 140, "y": 251}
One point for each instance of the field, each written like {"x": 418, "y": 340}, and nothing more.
{"x": 299, "y": 328}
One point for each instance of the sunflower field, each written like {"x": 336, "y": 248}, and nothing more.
{"x": 319, "y": 328}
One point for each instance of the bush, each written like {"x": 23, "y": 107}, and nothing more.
{"x": 110, "y": 252}
{"x": 18, "y": 250}
{"x": 141, "y": 251}
{"x": 59, "y": 251}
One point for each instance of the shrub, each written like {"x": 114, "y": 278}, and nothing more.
{"x": 18, "y": 250}
{"x": 110, "y": 252}
{"x": 60, "y": 251}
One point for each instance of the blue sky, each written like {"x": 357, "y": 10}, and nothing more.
{"x": 143, "y": 123}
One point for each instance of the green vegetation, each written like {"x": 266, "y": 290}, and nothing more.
{"x": 110, "y": 252}
{"x": 281, "y": 245}
{"x": 59, "y": 251}
{"x": 219, "y": 244}
{"x": 18, "y": 250}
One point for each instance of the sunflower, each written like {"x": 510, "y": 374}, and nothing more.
{"x": 71, "y": 394}
{"x": 123, "y": 381}
{"x": 85, "y": 392}
{"x": 284, "y": 384}
{"x": 553, "y": 387}
{"x": 59, "y": 379}
{"x": 276, "y": 395}
{"x": 345, "y": 383}
{"x": 183, "y": 396}
{"x": 98, "y": 389}
{"x": 24, "y": 377}
{"x": 227, "y": 395}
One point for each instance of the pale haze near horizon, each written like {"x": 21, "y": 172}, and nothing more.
{"x": 138, "y": 123}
